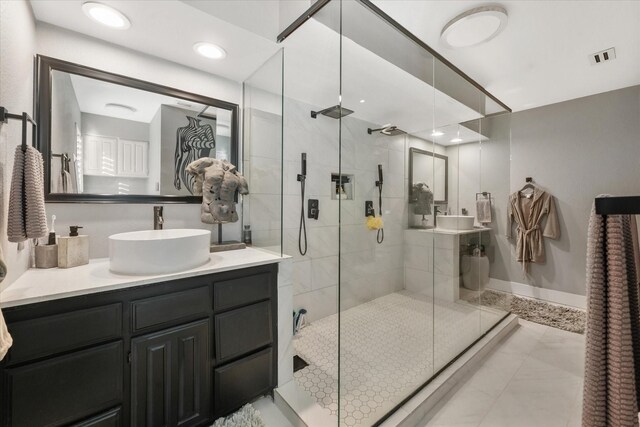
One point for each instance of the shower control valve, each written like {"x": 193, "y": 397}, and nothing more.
{"x": 314, "y": 208}
{"x": 368, "y": 209}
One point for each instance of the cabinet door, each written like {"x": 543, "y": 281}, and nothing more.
{"x": 64, "y": 389}
{"x": 100, "y": 155}
{"x": 132, "y": 158}
{"x": 170, "y": 376}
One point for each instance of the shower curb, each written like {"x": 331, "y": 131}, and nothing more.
{"x": 416, "y": 411}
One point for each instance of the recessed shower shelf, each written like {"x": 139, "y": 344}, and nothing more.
{"x": 342, "y": 186}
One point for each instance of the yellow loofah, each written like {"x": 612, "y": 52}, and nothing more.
{"x": 374, "y": 223}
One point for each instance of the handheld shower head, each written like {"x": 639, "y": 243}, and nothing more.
{"x": 303, "y": 167}
{"x": 304, "y": 164}
{"x": 380, "y": 180}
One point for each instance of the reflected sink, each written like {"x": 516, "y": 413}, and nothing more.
{"x": 158, "y": 251}
{"x": 455, "y": 222}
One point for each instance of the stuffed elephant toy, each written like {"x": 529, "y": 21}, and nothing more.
{"x": 217, "y": 181}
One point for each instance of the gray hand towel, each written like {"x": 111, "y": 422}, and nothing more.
{"x": 5, "y": 338}
{"x": 27, "y": 218}
{"x": 483, "y": 211}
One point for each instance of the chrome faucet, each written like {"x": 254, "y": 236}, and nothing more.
{"x": 158, "y": 219}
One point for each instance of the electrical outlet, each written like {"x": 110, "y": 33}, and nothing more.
{"x": 368, "y": 209}
{"x": 603, "y": 56}
{"x": 313, "y": 210}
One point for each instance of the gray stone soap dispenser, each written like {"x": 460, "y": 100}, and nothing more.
{"x": 74, "y": 249}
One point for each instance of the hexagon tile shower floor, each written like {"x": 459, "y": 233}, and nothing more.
{"x": 387, "y": 351}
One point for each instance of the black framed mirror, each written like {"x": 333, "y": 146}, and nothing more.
{"x": 108, "y": 138}
{"x": 431, "y": 169}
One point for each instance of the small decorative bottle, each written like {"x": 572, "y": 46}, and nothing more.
{"x": 246, "y": 235}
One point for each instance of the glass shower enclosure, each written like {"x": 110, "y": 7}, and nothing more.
{"x": 383, "y": 172}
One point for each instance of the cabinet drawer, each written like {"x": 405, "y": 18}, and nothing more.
{"x": 241, "y": 291}
{"x": 49, "y": 335}
{"x": 240, "y": 331}
{"x": 66, "y": 388}
{"x": 167, "y": 309}
{"x": 239, "y": 382}
{"x": 112, "y": 418}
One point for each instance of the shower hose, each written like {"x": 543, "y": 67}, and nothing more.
{"x": 302, "y": 233}
{"x": 380, "y": 235}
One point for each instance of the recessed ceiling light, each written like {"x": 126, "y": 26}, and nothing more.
{"x": 437, "y": 133}
{"x": 475, "y": 26}
{"x": 209, "y": 50}
{"x": 106, "y": 15}
{"x": 456, "y": 140}
{"x": 362, "y": 101}
{"x": 120, "y": 107}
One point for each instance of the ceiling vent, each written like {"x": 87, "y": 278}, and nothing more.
{"x": 603, "y": 56}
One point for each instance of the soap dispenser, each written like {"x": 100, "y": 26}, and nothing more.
{"x": 74, "y": 249}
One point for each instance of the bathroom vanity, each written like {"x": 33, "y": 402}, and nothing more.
{"x": 432, "y": 259}
{"x": 179, "y": 349}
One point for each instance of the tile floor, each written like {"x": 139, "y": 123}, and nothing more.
{"x": 532, "y": 379}
{"x": 387, "y": 348}
{"x": 270, "y": 414}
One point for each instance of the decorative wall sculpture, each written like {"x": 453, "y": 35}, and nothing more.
{"x": 193, "y": 142}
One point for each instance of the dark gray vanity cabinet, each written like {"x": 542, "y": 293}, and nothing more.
{"x": 177, "y": 353}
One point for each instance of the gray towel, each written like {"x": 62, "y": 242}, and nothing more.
{"x": 66, "y": 182}
{"x": 27, "y": 218}
{"x": 483, "y": 211}
{"x": 5, "y": 338}
{"x": 612, "y": 361}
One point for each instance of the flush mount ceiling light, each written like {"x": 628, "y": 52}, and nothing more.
{"x": 474, "y": 26}
{"x": 106, "y": 15}
{"x": 456, "y": 140}
{"x": 209, "y": 50}
{"x": 120, "y": 107}
{"x": 437, "y": 133}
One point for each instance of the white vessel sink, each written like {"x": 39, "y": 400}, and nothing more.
{"x": 158, "y": 251}
{"x": 454, "y": 222}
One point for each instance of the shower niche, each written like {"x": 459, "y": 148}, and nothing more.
{"x": 342, "y": 186}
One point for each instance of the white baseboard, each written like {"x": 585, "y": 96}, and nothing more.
{"x": 550, "y": 295}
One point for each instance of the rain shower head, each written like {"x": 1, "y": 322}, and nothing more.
{"x": 334, "y": 112}
{"x": 387, "y": 130}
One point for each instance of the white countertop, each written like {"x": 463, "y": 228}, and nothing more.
{"x": 447, "y": 231}
{"x": 38, "y": 285}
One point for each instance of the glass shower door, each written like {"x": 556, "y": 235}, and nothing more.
{"x": 386, "y": 327}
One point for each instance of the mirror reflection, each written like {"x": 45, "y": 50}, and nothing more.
{"x": 430, "y": 170}
{"x": 113, "y": 139}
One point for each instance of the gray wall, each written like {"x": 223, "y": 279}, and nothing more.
{"x": 65, "y": 116}
{"x": 576, "y": 150}
{"x": 17, "y": 46}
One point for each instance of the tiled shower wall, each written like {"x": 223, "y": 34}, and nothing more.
{"x": 368, "y": 270}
